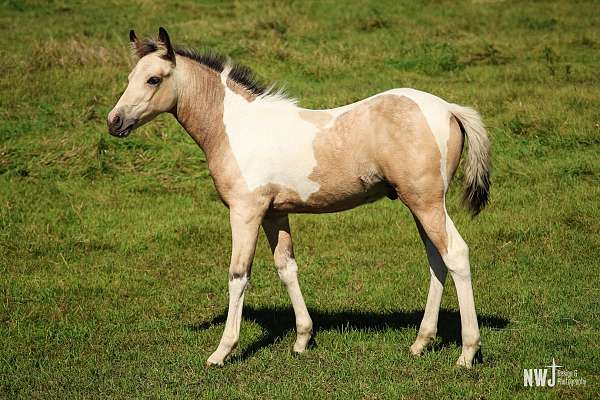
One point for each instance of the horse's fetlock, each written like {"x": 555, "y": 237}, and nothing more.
{"x": 230, "y": 341}
{"x": 427, "y": 333}
{"x": 304, "y": 328}
{"x": 472, "y": 341}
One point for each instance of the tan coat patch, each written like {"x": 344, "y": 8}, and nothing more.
{"x": 316, "y": 117}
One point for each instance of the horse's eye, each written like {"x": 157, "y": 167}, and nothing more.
{"x": 155, "y": 80}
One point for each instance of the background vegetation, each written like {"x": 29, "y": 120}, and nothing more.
{"x": 113, "y": 253}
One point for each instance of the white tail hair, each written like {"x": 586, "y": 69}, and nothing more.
{"x": 477, "y": 169}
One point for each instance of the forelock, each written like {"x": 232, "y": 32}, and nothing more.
{"x": 148, "y": 46}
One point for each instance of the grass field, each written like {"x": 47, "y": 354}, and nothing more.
{"x": 114, "y": 253}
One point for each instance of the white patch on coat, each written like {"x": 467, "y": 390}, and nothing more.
{"x": 271, "y": 143}
{"x": 437, "y": 114}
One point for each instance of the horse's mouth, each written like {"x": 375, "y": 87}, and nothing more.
{"x": 124, "y": 132}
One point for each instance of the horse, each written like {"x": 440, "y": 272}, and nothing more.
{"x": 268, "y": 158}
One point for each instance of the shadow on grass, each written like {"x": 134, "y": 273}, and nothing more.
{"x": 279, "y": 321}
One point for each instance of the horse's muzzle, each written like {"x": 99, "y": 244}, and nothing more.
{"x": 118, "y": 126}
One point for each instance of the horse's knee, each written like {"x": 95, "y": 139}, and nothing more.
{"x": 239, "y": 271}
{"x": 240, "y": 268}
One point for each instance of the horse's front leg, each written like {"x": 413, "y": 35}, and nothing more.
{"x": 244, "y": 232}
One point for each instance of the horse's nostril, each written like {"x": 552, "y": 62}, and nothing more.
{"x": 116, "y": 120}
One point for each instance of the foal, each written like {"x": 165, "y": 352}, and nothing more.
{"x": 268, "y": 158}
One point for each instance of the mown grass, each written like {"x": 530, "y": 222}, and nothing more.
{"x": 114, "y": 252}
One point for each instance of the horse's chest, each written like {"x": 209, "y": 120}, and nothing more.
{"x": 272, "y": 148}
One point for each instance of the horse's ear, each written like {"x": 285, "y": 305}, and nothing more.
{"x": 135, "y": 43}
{"x": 163, "y": 36}
{"x": 132, "y": 36}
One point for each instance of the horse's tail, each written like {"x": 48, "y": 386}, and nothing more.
{"x": 477, "y": 169}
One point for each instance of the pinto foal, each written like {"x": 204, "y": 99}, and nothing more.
{"x": 268, "y": 158}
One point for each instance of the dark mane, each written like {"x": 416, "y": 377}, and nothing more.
{"x": 239, "y": 73}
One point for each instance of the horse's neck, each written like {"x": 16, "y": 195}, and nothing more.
{"x": 200, "y": 102}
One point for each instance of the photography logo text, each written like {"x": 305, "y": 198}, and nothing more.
{"x": 550, "y": 376}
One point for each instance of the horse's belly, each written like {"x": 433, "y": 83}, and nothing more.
{"x": 323, "y": 201}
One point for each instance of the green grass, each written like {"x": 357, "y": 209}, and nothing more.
{"x": 114, "y": 253}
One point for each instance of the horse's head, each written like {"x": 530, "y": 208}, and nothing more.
{"x": 152, "y": 86}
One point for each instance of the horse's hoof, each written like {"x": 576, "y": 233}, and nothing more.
{"x": 416, "y": 349}
{"x": 463, "y": 362}
{"x": 302, "y": 344}
{"x": 296, "y": 350}
{"x": 469, "y": 356}
{"x": 213, "y": 364}
{"x": 210, "y": 365}
{"x": 419, "y": 346}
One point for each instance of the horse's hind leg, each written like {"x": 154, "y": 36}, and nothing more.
{"x": 457, "y": 261}
{"x": 438, "y": 272}
{"x": 278, "y": 234}
{"x": 442, "y": 233}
